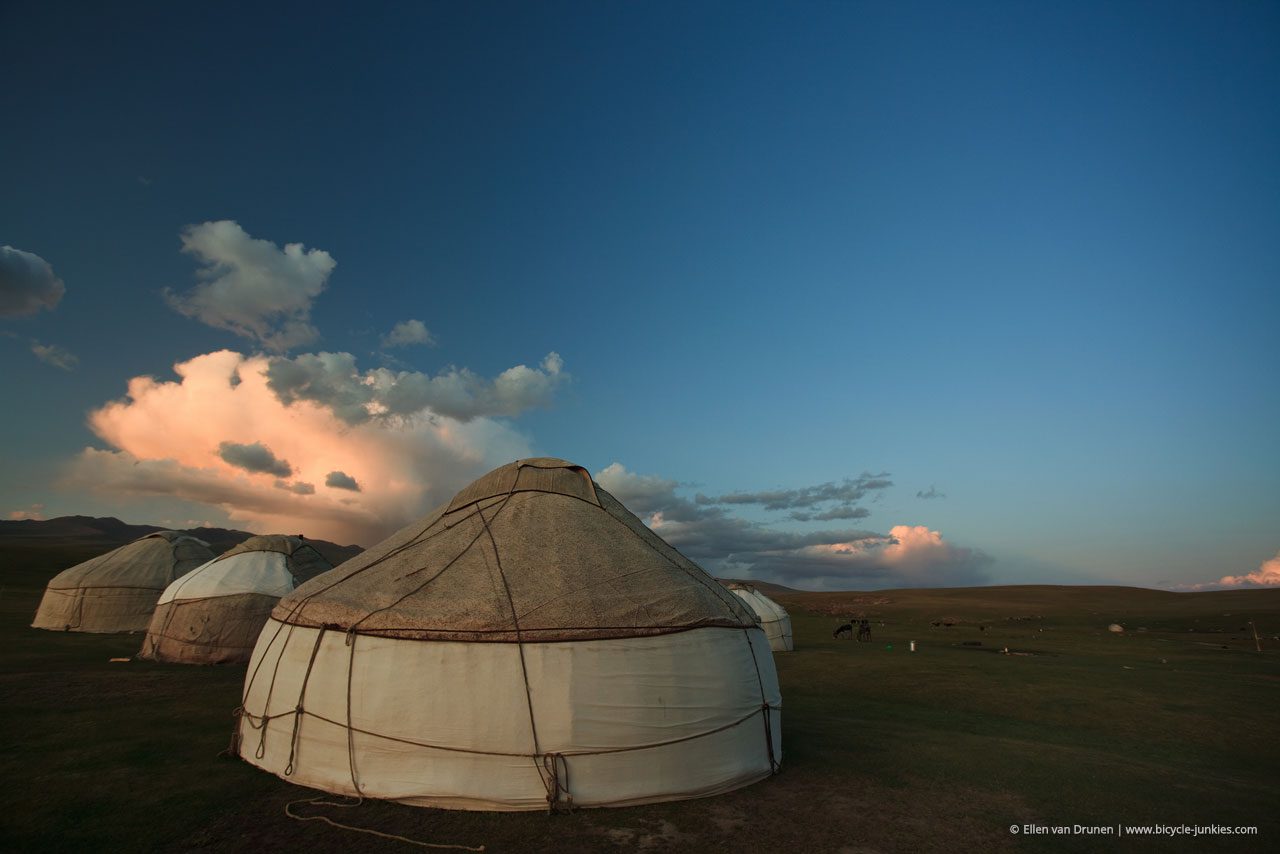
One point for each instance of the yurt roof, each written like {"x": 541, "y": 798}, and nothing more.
{"x": 145, "y": 562}
{"x": 271, "y": 564}
{"x": 761, "y": 603}
{"x": 534, "y": 551}
{"x": 290, "y": 546}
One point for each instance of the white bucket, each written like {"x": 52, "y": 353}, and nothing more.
{"x": 913, "y": 646}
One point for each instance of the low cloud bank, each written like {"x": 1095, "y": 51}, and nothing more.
{"x": 834, "y": 559}
{"x": 1266, "y": 575}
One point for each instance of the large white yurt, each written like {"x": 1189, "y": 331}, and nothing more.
{"x": 214, "y": 614}
{"x": 774, "y": 619}
{"x": 529, "y": 645}
{"x": 117, "y": 591}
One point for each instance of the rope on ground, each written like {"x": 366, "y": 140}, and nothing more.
{"x": 288, "y": 810}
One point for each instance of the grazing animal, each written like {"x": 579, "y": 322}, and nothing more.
{"x": 846, "y": 630}
{"x": 864, "y": 631}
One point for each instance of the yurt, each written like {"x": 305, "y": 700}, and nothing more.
{"x": 773, "y": 617}
{"x": 528, "y": 645}
{"x": 214, "y": 614}
{"x": 117, "y": 591}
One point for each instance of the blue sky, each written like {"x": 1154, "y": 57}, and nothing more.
{"x": 1027, "y": 255}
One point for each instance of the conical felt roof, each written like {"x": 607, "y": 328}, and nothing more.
{"x": 302, "y": 559}
{"x": 533, "y": 551}
{"x": 152, "y": 561}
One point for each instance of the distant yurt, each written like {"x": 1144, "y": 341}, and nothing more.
{"x": 117, "y": 591}
{"x": 528, "y": 645}
{"x": 214, "y": 614}
{"x": 773, "y": 617}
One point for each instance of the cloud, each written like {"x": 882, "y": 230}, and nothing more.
{"x": 910, "y": 556}
{"x": 842, "y": 511}
{"x": 252, "y": 287}
{"x": 845, "y": 492}
{"x": 52, "y": 354}
{"x": 255, "y": 457}
{"x": 298, "y": 488}
{"x": 341, "y": 480}
{"x": 1266, "y": 575}
{"x": 27, "y": 283}
{"x": 165, "y": 438}
{"x": 728, "y": 545}
{"x": 333, "y": 381}
{"x": 34, "y": 512}
{"x": 407, "y": 333}
{"x": 931, "y": 493}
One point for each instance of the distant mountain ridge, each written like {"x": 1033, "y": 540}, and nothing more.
{"x": 110, "y": 532}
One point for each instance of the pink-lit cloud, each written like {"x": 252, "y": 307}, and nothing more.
{"x": 34, "y": 512}
{"x": 910, "y": 556}
{"x": 168, "y": 438}
{"x": 1266, "y": 575}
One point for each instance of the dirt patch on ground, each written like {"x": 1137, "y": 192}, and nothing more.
{"x": 651, "y": 835}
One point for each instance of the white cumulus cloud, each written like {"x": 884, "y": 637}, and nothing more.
{"x": 252, "y": 287}
{"x": 408, "y": 333}
{"x": 334, "y": 381}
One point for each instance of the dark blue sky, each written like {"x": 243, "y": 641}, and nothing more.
{"x": 1029, "y": 254}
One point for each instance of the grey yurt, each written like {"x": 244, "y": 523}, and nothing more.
{"x": 213, "y": 615}
{"x": 774, "y": 619}
{"x": 117, "y": 591}
{"x": 528, "y": 645}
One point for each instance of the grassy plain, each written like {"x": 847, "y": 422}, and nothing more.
{"x": 1172, "y": 722}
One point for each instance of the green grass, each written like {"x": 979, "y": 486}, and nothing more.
{"x": 884, "y": 750}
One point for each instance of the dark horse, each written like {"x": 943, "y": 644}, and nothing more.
{"x": 846, "y": 630}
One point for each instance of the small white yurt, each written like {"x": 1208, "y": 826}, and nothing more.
{"x": 117, "y": 591}
{"x": 773, "y": 617}
{"x": 214, "y": 614}
{"x": 529, "y": 645}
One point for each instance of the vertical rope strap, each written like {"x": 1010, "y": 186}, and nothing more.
{"x": 233, "y": 749}
{"x": 298, "y": 710}
{"x": 351, "y": 735}
{"x": 550, "y": 782}
{"x": 766, "y": 709}
{"x": 79, "y": 610}
{"x": 558, "y": 796}
{"x": 266, "y": 706}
